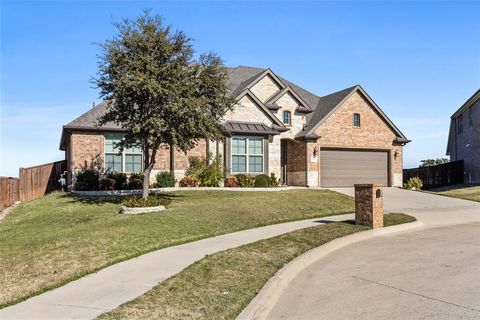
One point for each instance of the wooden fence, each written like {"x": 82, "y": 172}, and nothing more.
{"x": 9, "y": 191}
{"x": 437, "y": 176}
{"x": 33, "y": 183}
{"x": 36, "y": 181}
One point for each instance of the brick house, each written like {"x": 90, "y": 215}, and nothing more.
{"x": 464, "y": 137}
{"x": 276, "y": 126}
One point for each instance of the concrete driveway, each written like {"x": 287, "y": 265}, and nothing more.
{"x": 431, "y": 273}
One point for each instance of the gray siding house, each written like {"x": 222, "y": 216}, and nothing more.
{"x": 464, "y": 137}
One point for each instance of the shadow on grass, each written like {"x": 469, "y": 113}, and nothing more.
{"x": 335, "y": 221}
{"x": 453, "y": 187}
{"x": 114, "y": 199}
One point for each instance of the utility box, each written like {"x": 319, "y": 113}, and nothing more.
{"x": 369, "y": 205}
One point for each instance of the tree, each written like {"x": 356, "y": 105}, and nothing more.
{"x": 158, "y": 92}
{"x": 432, "y": 162}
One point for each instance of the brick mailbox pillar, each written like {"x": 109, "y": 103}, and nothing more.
{"x": 369, "y": 205}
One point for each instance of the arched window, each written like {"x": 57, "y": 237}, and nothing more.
{"x": 287, "y": 117}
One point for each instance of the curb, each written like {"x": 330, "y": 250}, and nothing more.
{"x": 263, "y": 303}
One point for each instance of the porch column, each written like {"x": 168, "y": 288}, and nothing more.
{"x": 312, "y": 163}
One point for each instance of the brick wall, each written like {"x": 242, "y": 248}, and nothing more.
{"x": 374, "y": 133}
{"x": 86, "y": 147}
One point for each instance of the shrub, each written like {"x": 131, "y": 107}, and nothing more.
{"x": 152, "y": 201}
{"x": 107, "y": 184}
{"x": 245, "y": 181}
{"x": 135, "y": 176}
{"x": 120, "y": 179}
{"x": 135, "y": 181}
{"x": 207, "y": 174}
{"x": 195, "y": 166}
{"x": 262, "y": 181}
{"x": 274, "y": 181}
{"x": 414, "y": 183}
{"x": 86, "y": 179}
{"x": 231, "y": 182}
{"x": 165, "y": 179}
{"x": 135, "y": 184}
{"x": 188, "y": 182}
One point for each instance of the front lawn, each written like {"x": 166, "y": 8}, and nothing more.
{"x": 50, "y": 241}
{"x": 464, "y": 191}
{"x": 220, "y": 286}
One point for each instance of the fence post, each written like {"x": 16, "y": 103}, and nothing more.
{"x": 20, "y": 184}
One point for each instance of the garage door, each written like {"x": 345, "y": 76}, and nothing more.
{"x": 344, "y": 168}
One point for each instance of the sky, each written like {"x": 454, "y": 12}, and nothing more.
{"x": 419, "y": 61}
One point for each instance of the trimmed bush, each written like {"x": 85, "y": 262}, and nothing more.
{"x": 165, "y": 179}
{"x": 231, "y": 182}
{"x": 262, "y": 181}
{"x": 86, "y": 180}
{"x": 245, "y": 181}
{"x": 139, "y": 202}
{"x": 120, "y": 179}
{"x": 135, "y": 184}
{"x": 188, "y": 182}
{"x": 414, "y": 183}
{"x": 107, "y": 184}
{"x": 135, "y": 175}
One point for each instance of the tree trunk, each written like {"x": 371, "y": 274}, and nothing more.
{"x": 146, "y": 181}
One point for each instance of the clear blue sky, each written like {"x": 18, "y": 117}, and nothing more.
{"x": 418, "y": 60}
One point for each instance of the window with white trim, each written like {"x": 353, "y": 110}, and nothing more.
{"x": 247, "y": 154}
{"x": 130, "y": 160}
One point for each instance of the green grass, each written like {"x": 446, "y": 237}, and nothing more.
{"x": 465, "y": 191}
{"x": 48, "y": 242}
{"x": 221, "y": 285}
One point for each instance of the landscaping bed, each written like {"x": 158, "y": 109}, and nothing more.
{"x": 221, "y": 285}
{"x": 58, "y": 238}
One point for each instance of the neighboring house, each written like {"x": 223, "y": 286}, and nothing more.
{"x": 464, "y": 137}
{"x": 307, "y": 140}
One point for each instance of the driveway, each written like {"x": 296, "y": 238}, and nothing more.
{"x": 431, "y": 273}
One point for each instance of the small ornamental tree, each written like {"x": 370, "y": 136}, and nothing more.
{"x": 158, "y": 92}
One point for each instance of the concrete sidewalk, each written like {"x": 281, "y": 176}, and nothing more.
{"x": 105, "y": 290}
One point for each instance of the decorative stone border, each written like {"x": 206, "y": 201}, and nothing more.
{"x": 100, "y": 193}
{"x": 127, "y": 210}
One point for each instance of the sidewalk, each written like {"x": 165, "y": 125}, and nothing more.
{"x": 105, "y": 290}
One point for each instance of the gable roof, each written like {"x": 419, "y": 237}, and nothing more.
{"x": 329, "y": 104}
{"x": 467, "y": 104}
{"x": 239, "y": 81}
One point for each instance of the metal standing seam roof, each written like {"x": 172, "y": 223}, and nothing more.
{"x": 249, "y": 128}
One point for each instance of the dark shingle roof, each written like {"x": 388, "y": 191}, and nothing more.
{"x": 238, "y": 81}
{"x": 90, "y": 118}
{"x": 249, "y": 128}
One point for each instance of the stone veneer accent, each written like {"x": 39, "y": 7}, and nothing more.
{"x": 369, "y": 208}
{"x": 265, "y": 88}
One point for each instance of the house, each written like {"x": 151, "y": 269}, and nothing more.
{"x": 464, "y": 137}
{"x": 276, "y": 127}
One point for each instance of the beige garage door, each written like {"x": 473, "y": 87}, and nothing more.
{"x": 344, "y": 168}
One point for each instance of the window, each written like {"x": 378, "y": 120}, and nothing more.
{"x": 130, "y": 160}
{"x": 470, "y": 117}
{"x": 460, "y": 124}
{"x": 356, "y": 120}
{"x": 287, "y": 119}
{"x": 247, "y": 154}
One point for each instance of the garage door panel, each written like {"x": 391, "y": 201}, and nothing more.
{"x": 344, "y": 168}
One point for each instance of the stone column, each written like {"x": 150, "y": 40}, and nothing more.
{"x": 369, "y": 205}
{"x": 312, "y": 162}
